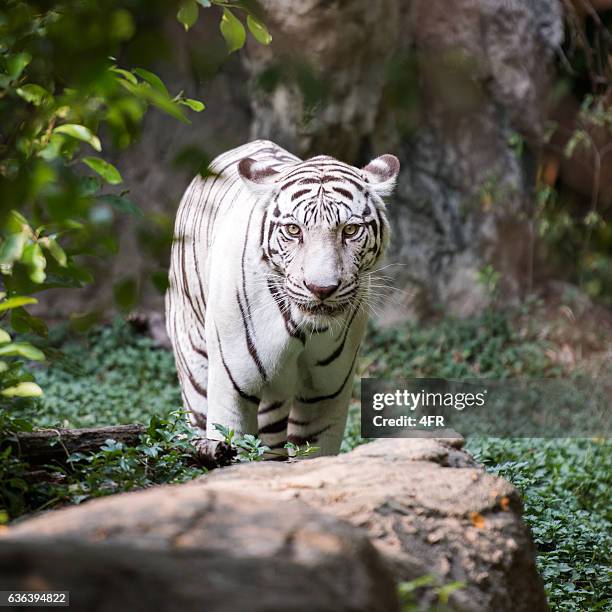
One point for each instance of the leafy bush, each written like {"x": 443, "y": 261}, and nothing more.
{"x": 63, "y": 93}
{"x": 163, "y": 455}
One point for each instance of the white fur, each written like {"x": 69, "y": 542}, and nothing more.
{"x": 218, "y": 235}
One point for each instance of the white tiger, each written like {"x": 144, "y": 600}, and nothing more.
{"x": 266, "y": 306}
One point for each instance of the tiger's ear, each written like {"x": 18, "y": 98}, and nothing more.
{"x": 381, "y": 174}
{"x": 259, "y": 176}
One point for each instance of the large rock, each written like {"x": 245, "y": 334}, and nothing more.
{"x": 191, "y": 548}
{"x": 465, "y": 196}
{"x": 424, "y": 503}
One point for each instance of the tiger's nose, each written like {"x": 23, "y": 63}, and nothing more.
{"x": 322, "y": 291}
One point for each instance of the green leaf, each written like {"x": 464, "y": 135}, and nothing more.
{"x": 232, "y": 30}
{"x": 447, "y": 590}
{"x": 17, "y": 301}
{"x": 194, "y": 105}
{"x": 21, "y": 349}
{"x": 12, "y": 247}
{"x": 126, "y": 74}
{"x": 148, "y": 93}
{"x": 23, "y": 322}
{"x": 259, "y": 30}
{"x": 53, "y": 246}
{"x": 90, "y": 185}
{"x": 4, "y": 337}
{"x": 35, "y": 94}
{"x": 21, "y": 425}
{"x": 106, "y": 170}
{"x": 80, "y": 132}
{"x": 122, "y": 204}
{"x": 188, "y": 13}
{"x": 15, "y": 222}
{"x": 23, "y": 389}
{"x": 152, "y": 79}
{"x": 53, "y": 149}
{"x": 16, "y": 64}
{"x": 121, "y": 25}
{"x": 34, "y": 259}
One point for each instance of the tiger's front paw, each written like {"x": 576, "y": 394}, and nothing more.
{"x": 213, "y": 453}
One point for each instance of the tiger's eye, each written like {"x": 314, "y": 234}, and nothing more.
{"x": 350, "y": 230}
{"x": 293, "y": 229}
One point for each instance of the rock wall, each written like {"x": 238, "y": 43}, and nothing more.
{"x": 455, "y": 93}
{"x": 452, "y": 91}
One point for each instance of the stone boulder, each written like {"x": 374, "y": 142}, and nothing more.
{"x": 271, "y": 536}
{"x": 191, "y": 548}
{"x": 426, "y": 505}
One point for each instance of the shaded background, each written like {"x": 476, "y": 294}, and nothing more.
{"x": 464, "y": 93}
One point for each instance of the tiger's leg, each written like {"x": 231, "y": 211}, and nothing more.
{"x": 232, "y": 384}
{"x": 320, "y": 423}
{"x": 229, "y": 407}
{"x": 191, "y": 357}
{"x": 193, "y": 377}
{"x": 320, "y": 410}
{"x": 272, "y": 418}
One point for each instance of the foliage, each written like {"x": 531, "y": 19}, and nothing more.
{"x": 248, "y": 447}
{"x": 163, "y": 455}
{"x": 566, "y": 490}
{"x": 231, "y": 26}
{"x": 300, "y": 451}
{"x": 64, "y": 94}
{"x": 575, "y": 235}
{"x": 251, "y": 448}
{"x": 488, "y": 346}
{"x": 408, "y": 590}
{"x": 109, "y": 376}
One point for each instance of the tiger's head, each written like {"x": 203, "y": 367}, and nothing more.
{"x": 323, "y": 229}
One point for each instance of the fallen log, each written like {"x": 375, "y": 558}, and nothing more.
{"x": 56, "y": 445}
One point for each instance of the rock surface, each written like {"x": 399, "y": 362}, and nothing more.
{"x": 270, "y": 533}
{"x": 190, "y": 548}
{"x": 452, "y": 93}
{"x": 427, "y": 507}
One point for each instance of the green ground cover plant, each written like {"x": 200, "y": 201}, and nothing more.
{"x": 114, "y": 375}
